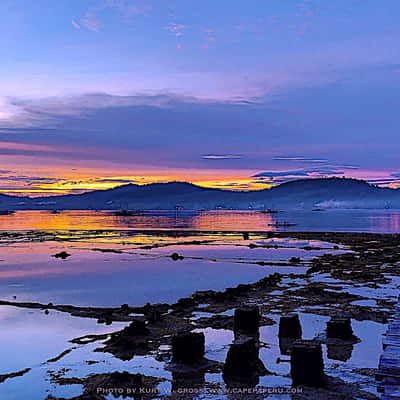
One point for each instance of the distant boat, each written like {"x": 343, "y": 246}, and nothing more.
{"x": 55, "y": 211}
{"x": 269, "y": 211}
{"x": 6, "y": 212}
{"x": 127, "y": 213}
{"x": 318, "y": 209}
{"x": 281, "y": 224}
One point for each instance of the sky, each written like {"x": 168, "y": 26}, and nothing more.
{"x": 230, "y": 94}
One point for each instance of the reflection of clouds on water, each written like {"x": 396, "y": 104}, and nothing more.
{"x": 386, "y": 221}
{"x": 220, "y": 220}
{"x": 234, "y": 220}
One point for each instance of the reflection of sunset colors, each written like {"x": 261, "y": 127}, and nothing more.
{"x": 233, "y": 220}
{"x": 386, "y": 223}
{"x": 100, "y": 220}
{"x": 225, "y": 220}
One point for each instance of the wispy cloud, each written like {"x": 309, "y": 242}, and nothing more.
{"x": 300, "y": 158}
{"x": 176, "y": 29}
{"x": 91, "y": 22}
{"x": 125, "y": 8}
{"x": 130, "y": 8}
{"x": 320, "y": 172}
{"x": 221, "y": 156}
{"x": 210, "y": 37}
{"x": 75, "y": 24}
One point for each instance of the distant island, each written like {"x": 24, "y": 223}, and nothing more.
{"x": 305, "y": 194}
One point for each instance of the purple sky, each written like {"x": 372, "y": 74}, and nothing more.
{"x": 223, "y": 93}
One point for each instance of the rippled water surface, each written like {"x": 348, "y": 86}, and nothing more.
{"x": 115, "y": 260}
{"x": 330, "y": 220}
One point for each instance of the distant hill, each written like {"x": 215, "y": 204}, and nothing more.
{"x": 300, "y": 194}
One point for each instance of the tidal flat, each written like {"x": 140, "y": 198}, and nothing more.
{"x": 103, "y": 315}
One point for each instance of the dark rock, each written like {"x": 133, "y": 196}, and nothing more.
{"x": 202, "y": 295}
{"x": 216, "y": 321}
{"x": 117, "y": 379}
{"x": 185, "y": 302}
{"x": 339, "y": 328}
{"x": 176, "y": 257}
{"x": 188, "y": 347}
{"x": 130, "y": 341}
{"x": 269, "y": 281}
{"x": 136, "y": 328}
{"x": 220, "y": 297}
{"x": 290, "y": 327}
{"x": 121, "y": 384}
{"x": 247, "y": 319}
{"x": 307, "y": 365}
{"x": 240, "y": 290}
{"x": 154, "y": 316}
{"x": 63, "y": 255}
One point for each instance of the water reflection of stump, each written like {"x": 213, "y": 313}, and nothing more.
{"x": 187, "y": 382}
{"x": 285, "y": 345}
{"x": 340, "y": 351}
{"x": 289, "y": 331}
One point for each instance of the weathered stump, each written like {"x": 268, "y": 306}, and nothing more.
{"x": 290, "y": 327}
{"x": 242, "y": 362}
{"x": 188, "y": 347}
{"x": 339, "y": 328}
{"x": 307, "y": 365}
{"x": 246, "y": 320}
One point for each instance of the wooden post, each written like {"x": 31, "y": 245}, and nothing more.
{"x": 188, "y": 347}
{"x": 307, "y": 364}
{"x": 290, "y": 327}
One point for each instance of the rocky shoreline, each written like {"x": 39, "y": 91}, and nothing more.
{"x": 371, "y": 261}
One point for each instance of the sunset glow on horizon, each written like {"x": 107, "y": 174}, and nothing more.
{"x": 80, "y": 181}
{"x": 241, "y": 96}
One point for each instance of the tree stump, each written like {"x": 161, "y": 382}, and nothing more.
{"x": 307, "y": 365}
{"x": 188, "y": 347}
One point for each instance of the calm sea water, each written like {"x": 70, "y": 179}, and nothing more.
{"x": 136, "y": 274}
{"x": 386, "y": 221}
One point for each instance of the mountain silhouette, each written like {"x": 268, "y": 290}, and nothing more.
{"x": 305, "y": 194}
